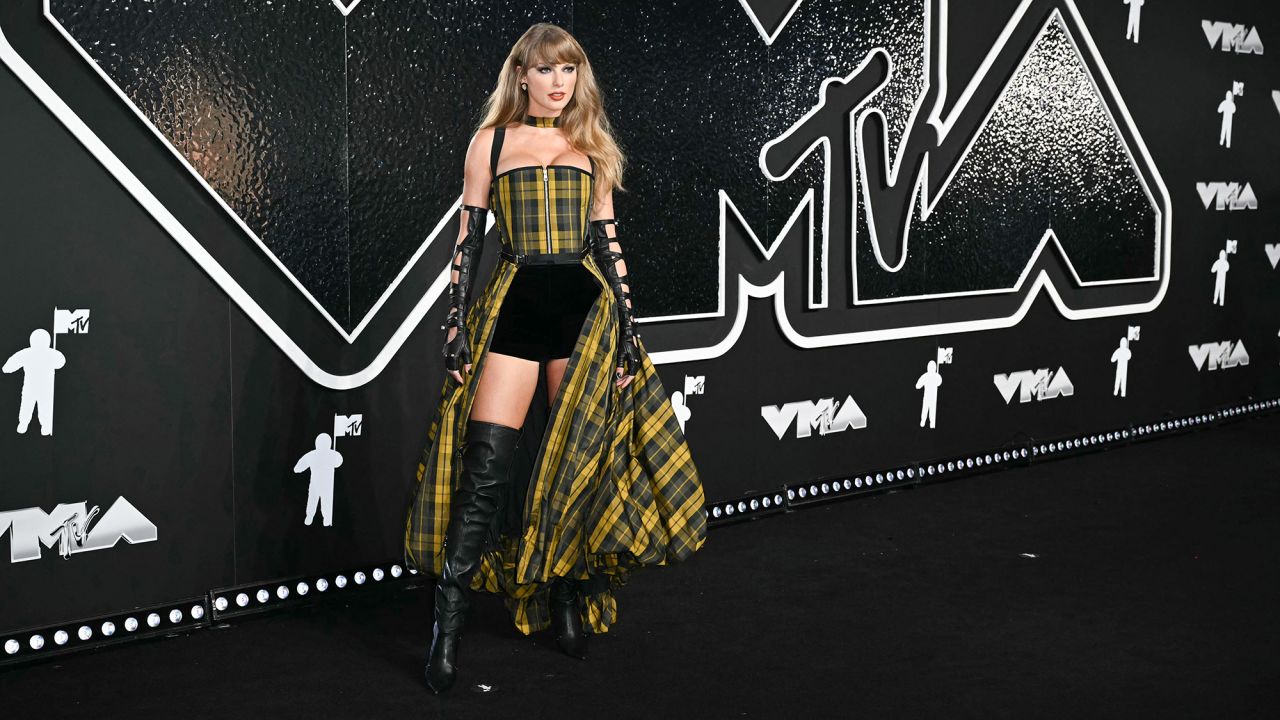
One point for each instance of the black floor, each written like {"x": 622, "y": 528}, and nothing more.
{"x": 1138, "y": 582}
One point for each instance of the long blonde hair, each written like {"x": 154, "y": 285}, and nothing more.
{"x": 582, "y": 121}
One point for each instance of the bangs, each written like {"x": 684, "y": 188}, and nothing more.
{"x": 555, "y": 51}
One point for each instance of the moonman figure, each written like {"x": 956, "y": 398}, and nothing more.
{"x": 39, "y": 362}
{"x": 682, "y": 411}
{"x": 321, "y": 462}
{"x": 1135, "y": 18}
{"x": 1220, "y": 268}
{"x": 1226, "y": 108}
{"x": 929, "y": 382}
{"x": 1121, "y": 358}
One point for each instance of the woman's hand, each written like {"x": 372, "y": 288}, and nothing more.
{"x": 628, "y": 359}
{"x": 455, "y": 350}
{"x": 622, "y": 380}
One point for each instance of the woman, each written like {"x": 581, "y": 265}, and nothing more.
{"x": 612, "y": 486}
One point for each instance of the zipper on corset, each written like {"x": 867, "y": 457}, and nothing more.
{"x": 546, "y": 203}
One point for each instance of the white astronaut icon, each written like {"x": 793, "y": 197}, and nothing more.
{"x": 321, "y": 462}
{"x": 1135, "y": 19}
{"x": 38, "y": 363}
{"x": 1121, "y": 358}
{"x": 680, "y": 408}
{"x": 929, "y": 382}
{"x": 1227, "y": 109}
{"x": 1220, "y": 269}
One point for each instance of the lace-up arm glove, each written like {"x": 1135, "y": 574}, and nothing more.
{"x": 457, "y": 352}
{"x": 466, "y": 256}
{"x": 608, "y": 255}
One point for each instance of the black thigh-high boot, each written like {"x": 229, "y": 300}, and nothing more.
{"x": 566, "y": 617}
{"x": 486, "y": 461}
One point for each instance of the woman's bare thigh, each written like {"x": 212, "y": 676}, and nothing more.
{"x": 555, "y": 373}
{"x": 506, "y": 389}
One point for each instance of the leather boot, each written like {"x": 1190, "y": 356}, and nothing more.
{"x": 486, "y": 460}
{"x": 566, "y": 618}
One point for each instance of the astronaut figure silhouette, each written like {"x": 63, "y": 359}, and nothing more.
{"x": 321, "y": 462}
{"x": 929, "y": 382}
{"x": 1121, "y": 358}
{"x": 38, "y": 363}
{"x": 1219, "y": 269}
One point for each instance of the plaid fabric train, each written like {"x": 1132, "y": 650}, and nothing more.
{"x": 614, "y": 487}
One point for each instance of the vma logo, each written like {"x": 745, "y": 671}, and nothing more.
{"x": 1034, "y": 384}
{"x": 1240, "y": 39}
{"x": 826, "y": 415}
{"x": 1227, "y": 196}
{"x": 1219, "y": 355}
{"x": 69, "y": 527}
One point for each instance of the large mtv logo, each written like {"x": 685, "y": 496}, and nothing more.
{"x": 70, "y": 527}
{"x": 1032, "y": 179}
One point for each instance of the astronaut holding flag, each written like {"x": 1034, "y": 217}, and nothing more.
{"x": 39, "y": 362}
{"x": 929, "y": 383}
{"x": 322, "y": 462}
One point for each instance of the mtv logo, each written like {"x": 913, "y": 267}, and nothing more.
{"x": 826, "y": 415}
{"x": 1041, "y": 384}
{"x": 1135, "y": 332}
{"x": 944, "y": 355}
{"x": 1219, "y": 355}
{"x": 1241, "y": 39}
{"x": 1237, "y": 88}
{"x": 347, "y": 425}
{"x": 1231, "y": 246}
{"x": 75, "y": 322}
{"x": 31, "y": 528}
{"x": 695, "y": 384}
{"x": 1227, "y": 196}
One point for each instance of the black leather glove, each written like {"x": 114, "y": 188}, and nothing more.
{"x": 457, "y": 353}
{"x": 628, "y": 348}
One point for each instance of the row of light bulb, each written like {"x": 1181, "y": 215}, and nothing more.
{"x": 727, "y": 509}
{"x": 108, "y": 628}
{"x": 282, "y": 592}
{"x": 813, "y": 490}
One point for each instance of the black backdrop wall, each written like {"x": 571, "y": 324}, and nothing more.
{"x": 232, "y": 220}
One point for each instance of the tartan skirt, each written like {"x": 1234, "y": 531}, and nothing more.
{"x": 613, "y": 485}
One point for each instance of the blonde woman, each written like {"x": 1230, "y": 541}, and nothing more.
{"x": 613, "y": 485}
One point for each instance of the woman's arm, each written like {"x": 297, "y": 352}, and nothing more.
{"x": 602, "y": 209}
{"x": 608, "y": 254}
{"x": 466, "y": 257}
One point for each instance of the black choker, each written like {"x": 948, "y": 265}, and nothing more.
{"x": 542, "y": 122}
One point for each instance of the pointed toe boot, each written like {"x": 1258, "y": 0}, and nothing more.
{"x": 486, "y": 462}
{"x": 566, "y": 618}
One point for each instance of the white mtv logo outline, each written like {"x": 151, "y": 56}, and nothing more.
{"x": 935, "y": 51}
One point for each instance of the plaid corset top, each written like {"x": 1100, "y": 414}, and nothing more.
{"x": 542, "y": 208}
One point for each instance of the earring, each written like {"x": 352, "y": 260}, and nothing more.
{"x": 524, "y": 87}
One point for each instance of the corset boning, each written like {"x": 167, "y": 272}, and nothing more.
{"x": 540, "y": 210}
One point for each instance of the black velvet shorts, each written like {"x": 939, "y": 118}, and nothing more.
{"x": 543, "y": 311}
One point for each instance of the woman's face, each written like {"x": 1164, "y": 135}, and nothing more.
{"x": 550, "y": 87}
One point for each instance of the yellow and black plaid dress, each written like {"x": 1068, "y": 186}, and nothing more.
{"x": 613, "y": 485}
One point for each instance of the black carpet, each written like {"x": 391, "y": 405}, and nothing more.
{"x": 1138, "y": 582}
